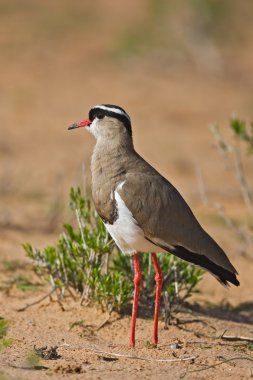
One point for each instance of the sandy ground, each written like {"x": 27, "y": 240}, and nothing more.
{"x": 50, "y": 78}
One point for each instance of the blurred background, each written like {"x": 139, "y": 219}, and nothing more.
{"x": 175, "y": 66}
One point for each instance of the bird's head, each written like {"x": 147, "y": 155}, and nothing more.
{"x": 106, "y": 120}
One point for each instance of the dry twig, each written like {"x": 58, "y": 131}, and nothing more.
{"x": 167, "y": 310}
{"x": 224, "y": 360}
{"x": 38, "y": 301}
{"x": 234, "y": 338}
{"x": 98, "y": 351}
{"x": 106, "y": 321}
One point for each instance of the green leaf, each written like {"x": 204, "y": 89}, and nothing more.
{"x": 4, "y": 325}
{"x": 5, "y": 343}
{"x": 239, "y": 128}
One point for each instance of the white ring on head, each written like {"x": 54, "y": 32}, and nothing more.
{"x": 115, "y": 110}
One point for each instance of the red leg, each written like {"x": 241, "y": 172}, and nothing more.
{"x": 137, "y": 281}
{"x": 159, "y": 282}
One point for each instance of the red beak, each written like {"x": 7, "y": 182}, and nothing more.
{"x": 82, "y": 123}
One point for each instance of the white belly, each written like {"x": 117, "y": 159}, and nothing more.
{"x": 126, "y": 233}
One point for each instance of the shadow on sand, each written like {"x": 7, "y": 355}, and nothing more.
{"x": 242, "y": 313}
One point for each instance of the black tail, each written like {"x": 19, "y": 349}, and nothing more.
{"x": 222, "y": 275}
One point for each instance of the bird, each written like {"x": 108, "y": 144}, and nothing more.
{"x": 142, "y": 210}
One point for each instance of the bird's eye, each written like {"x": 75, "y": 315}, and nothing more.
{"x": 100, "y": 115}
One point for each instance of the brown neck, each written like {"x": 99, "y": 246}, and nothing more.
{"x": 109, "y": 160}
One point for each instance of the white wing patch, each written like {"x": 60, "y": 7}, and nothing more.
{"x": 126, "y": 233}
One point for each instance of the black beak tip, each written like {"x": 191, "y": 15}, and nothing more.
{"x": 73, "y": 126}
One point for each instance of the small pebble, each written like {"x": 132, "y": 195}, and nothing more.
{"x": 174, "y": 346}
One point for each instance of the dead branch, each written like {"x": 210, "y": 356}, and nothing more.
{"x": 71, "y": 293}
{"x": 38, "y": 301}
{"x": 198, "y": 334}
{"x": 202, "y": 342}
{"x": 97, "y": 351}
{"x": 234, "y": 338}
{"x": 105, "y": 322}
{"x": 36, "y": 367}
{"x": 167, "y": 310}
{"x": 224, "y": 360}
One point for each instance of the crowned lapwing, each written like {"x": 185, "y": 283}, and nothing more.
{"x": 141, "y": 209}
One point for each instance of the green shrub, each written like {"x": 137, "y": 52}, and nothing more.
{"x": 4, "y": 341}
{"x": 243, "y": 131}
{"x": 87, "y": 260}
{"x": 4, "y": 325}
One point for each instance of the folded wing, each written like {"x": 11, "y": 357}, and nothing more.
{"x": 168, "y": 222}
